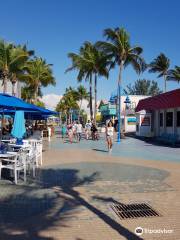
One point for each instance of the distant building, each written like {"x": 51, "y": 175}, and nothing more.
{"x": 109, "y": 110}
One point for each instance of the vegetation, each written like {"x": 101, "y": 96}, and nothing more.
{"x": 72, "y": 100}
{"x": 143, "y": 87}
{"x": 174, "y": 74}
{"x": 90, "y": 61}
{"x": 19, "y": 64}
{"x": 160, "y": 65}
{"x": 37, "y": 74}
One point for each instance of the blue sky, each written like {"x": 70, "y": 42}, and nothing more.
{"x": 53, "y": 28}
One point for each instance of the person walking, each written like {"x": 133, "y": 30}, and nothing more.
{"x": 74, "y": 130}
{"x": 88, "y": 129}
{"x": 79, "y": 131}
{"x": 94, "y": 131}
{"x": 63, "y": 132}
{"x": 70, "y": 132}
{"x": 109, "y": 135}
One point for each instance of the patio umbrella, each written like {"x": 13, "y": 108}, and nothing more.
{"x": 19, "y": 129}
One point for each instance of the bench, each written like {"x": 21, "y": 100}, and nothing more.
{"x": 168, "y": 138}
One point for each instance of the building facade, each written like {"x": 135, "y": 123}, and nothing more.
{"x": 163, "y": 112}
{"x": 108, "y": 110}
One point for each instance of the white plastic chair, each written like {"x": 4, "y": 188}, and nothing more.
{"x": 31, "y": 159}
{"x": 17, "y": 163}
{"x": 37, "y": 145}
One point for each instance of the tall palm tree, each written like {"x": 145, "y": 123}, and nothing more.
{"x": 118, "y": 47}
{"x": 98, "y": 64}
{"x": 16, "y": 75}
{"x": 160, "y": 65}
{"x": 38, "y": 73}
{"x": 90, "y": 61}
{"x": 174, "y": 74}
{"x": 11, "y": 59}
{"x": 79, "y": 63}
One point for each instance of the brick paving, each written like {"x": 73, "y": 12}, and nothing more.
{"x": 71, "y": 196}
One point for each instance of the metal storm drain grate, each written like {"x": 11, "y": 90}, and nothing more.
{"x": 135, "y": 210}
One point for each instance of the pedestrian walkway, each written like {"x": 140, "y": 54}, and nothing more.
{"x": 71, "y": 197}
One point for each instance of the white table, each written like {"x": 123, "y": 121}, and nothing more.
{"x": 16, "y": 145}
{"x": 6, "y": 155}
{"x": 5, "y": 140}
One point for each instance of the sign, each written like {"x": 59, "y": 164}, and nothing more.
{"x": 145, "y": 121}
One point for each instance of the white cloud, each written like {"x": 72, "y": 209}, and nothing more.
{"x": 51, "y": 100}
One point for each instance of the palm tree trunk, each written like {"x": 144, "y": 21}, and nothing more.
{"x": 165, "y": 83}
{"x": 119, "y": 101}
{"x": 36, "y": 93}
{"x": 13, "y": 89}
{"x": 5, "y": 83}
{"x": 90, "y": 101}
{"x": 95, "y": 97}
{"x": 79, "y": 110}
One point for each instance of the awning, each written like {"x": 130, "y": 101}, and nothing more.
{"x": 10, "y": 102}
{"x": 166, "y": 100}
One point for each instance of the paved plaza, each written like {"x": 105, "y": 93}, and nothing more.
{"x": 72, "y": 195}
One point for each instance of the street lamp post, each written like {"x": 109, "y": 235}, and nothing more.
{"x": 127, "y": 102}
{"x": 119, "y": 113}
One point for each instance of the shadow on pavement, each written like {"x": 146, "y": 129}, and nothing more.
{"x": 51, "y": 203}
{"x": 99, "y": 150}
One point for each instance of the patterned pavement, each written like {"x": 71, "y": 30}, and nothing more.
{"x": 71, "y": 195}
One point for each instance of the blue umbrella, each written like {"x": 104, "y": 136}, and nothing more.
{"x": 19, "y": 129}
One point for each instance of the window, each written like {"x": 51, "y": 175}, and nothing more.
{"x": 169, "y": 119}
{"x": 161, "y": 120}
{"x": 178, "y": 118}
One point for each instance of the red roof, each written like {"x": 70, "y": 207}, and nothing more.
{"x": 169, "y": 99}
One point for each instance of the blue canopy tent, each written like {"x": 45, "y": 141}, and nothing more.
{"x": 10, "y": 104}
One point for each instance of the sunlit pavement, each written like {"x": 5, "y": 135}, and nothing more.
{"x": 73, "y": 191}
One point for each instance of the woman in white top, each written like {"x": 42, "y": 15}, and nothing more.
{"x": 79, "y": 131}
{"x": 109, "y": 135}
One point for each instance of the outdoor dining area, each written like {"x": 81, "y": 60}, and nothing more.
{"x": 21, "y": 144}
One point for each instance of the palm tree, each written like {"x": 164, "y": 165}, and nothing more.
{"x": 81, "y": 94}
{"x": 98, "y": 64}
{"x": 79, "y": 63}
{"x": 18, "y": 72}
{"x": 174, "y": 74}
{"x": 38, "y": 73}
{"x": 11, "y": 59}
{"x": 90, "y": 61}
{"x": 118, "y": 47}
{"x": 160, "y": 65}
{"x": 67, "y": 103}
